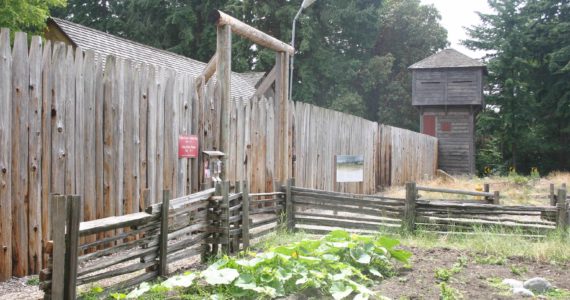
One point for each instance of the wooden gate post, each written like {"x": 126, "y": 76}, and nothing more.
{"x": 497, "y": 198}
{"x": 245, "y": 215}
{"x": 562, "y": 220}
{"x": 289, "y": 208}
{"x": 409, "y": 218}
{"x": 58, "y": 223}
{"x": 225, "y": 216}
{"x": 552, "y": 196}
{"x": 163, "y": 242}
{"x": 74, "y": 208}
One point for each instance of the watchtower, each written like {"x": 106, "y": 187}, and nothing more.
{"x": 447, "y": 87}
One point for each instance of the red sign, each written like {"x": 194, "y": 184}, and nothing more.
{"x": 187, "y": 146}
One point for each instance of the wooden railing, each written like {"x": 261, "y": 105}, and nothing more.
{"x": 139, "y": 247}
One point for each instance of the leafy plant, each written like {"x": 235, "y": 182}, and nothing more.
{"x": 491, "y": 260}
{"x": 339, "y": 265}
{"x": 443, "y": 274}
{"x": 92, "y": 294}
{"x": 448, "y": 293}
{"x": 516, "y": 270}
{"x": 34, "y": 280}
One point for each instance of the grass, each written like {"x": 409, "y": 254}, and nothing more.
{"x": 552, "y": 249}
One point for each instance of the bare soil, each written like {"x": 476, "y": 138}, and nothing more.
{"x": 472, "y": 281}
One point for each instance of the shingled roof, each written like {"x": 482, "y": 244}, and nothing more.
{"x": 448, "y": 58}
{"x": 108, "y": 44}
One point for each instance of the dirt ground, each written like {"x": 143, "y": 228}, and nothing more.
{"x": 473, "y": 281}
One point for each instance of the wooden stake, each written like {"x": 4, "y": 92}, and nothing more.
{"x": 58, "y": 223}
{"x": 552, "y": 196}
{"x": 245, "y": 215}
{"x": 562, "y": 223}
{"x": 71, "y": 251}
{"x": 408, "y": 222}
{"x": 163, "y": 263}
{"x": 289, "y": 208}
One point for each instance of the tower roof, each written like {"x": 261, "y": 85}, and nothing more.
{"x": 448, "y": 58}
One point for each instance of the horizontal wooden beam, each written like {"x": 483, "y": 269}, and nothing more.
{"x": 451, "y": 191}
{"x": 259, "y": 37}
{"x": 266, "y": 83}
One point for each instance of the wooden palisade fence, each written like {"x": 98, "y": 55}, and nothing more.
{"x": 225, "y": 219}
{"x": 106, "y": 129}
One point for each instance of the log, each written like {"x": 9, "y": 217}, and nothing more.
{"x": 350, "y": 218}
{"x": 163, "y": 239}
{"x": 117, "y": 260}
{"x": 341, "y": 224}
{"x": 110, "y": 223}
{"x": 453, "y": 191}
{"x": 562, "y": 205}
{"x": 71, "y": 248}
{"x": 114, "y": 272}
{"x": 248, "y": 32}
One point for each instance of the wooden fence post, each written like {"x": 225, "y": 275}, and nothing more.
{"x": 409, "y": 219}
{"x": 562, "y": 223}
{"x": 163, "y": 251}
{"x": 486, "y": 189}
{"x": 497, "y": 198}
{"x": 58, "y": 222}
{"x": 72, "y": 245}
{"x": 245, "y": 215}
{"x": 289, "y": 208}
{"x": 552, "y": 196}
{"x": 225, "y": 216}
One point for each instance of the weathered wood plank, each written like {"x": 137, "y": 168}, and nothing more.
{"x": 34, "y": 212}
{"x": 46, "y": 98}
{"x": 95, "y": 226}
{"x": 58, "y": 223}
{"x": 88, "y": 187}
{"x": 19, "y": 128}
{"x": 5, "y": 156}
{"x": 69, "y": 121}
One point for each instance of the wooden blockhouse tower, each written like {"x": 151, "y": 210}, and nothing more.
{"x": 447, "y": 87}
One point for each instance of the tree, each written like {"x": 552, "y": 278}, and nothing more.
{"x": 528, "y": 96}
{"x": 351, "y": 56}
{"x": 27, "y": 15}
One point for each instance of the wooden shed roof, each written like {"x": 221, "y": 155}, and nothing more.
{"x": 448, "y": 58}
{"x": 108, "y": 44}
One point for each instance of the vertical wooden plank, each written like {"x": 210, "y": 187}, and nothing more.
{"x": 71, "y": 247}
{"x": 69, "y": 120}
{"x": 409, "y": 220}
{"x": 20, "y": 112}
{"x": 109, "y": 155}
{"x": 135, "y": 140}
{"x": 35, "y": 158}
{"x": 99, "y": 104}
{"x": 88, "y": 143}
{"x": 185, "y": 112}
{"x": 58, "y": 128}
{"x": 130, "y": 138}
{"x": 79, "y": 138}
{"x": 240, "y": 140}
{"x": 163, "y": 263}
{"x": 562, "y": 220}
{"x": 224, "y": 69}
{"x": 47, "y": 81}
{"x": 245, "y": 215}
{"x": 118, "y": 132}
{"x": 170, "y": 130}
{"x": 58, "y": 223}
{"x": 270, "y": 143}
{"x": 195, "y": 163}
{"x": 160, "y": 136}
{"x": 152, "y": 133}
{"x": 289, "y": 208}
{"x": 552, "y": 196}
{"x": 247, "y": 160}
{"x": 225, "y": 217}
{"x": 143, "y": 131}
{"x": 5, "y": 156}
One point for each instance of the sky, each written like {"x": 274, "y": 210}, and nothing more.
{"x": 457, "y": 14}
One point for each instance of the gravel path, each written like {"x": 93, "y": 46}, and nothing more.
{"x": 19, "y": 289}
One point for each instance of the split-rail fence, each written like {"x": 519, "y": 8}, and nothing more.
{"x": 226, "y": 220}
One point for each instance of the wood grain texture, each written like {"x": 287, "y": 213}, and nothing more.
{"x": 35, "y": 157}
{"x": 5, "y": 156}
{"x": 20, "y": 113}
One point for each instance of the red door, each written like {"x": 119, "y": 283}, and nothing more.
{"x": 428, "y": 125}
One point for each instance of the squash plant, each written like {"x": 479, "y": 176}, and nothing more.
{"x": 339, "y": 265}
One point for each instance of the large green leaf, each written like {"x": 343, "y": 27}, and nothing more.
{"x": 220, "y": 276}
{"x": 340, "y": 290}
{"x": 179, "y": 281}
